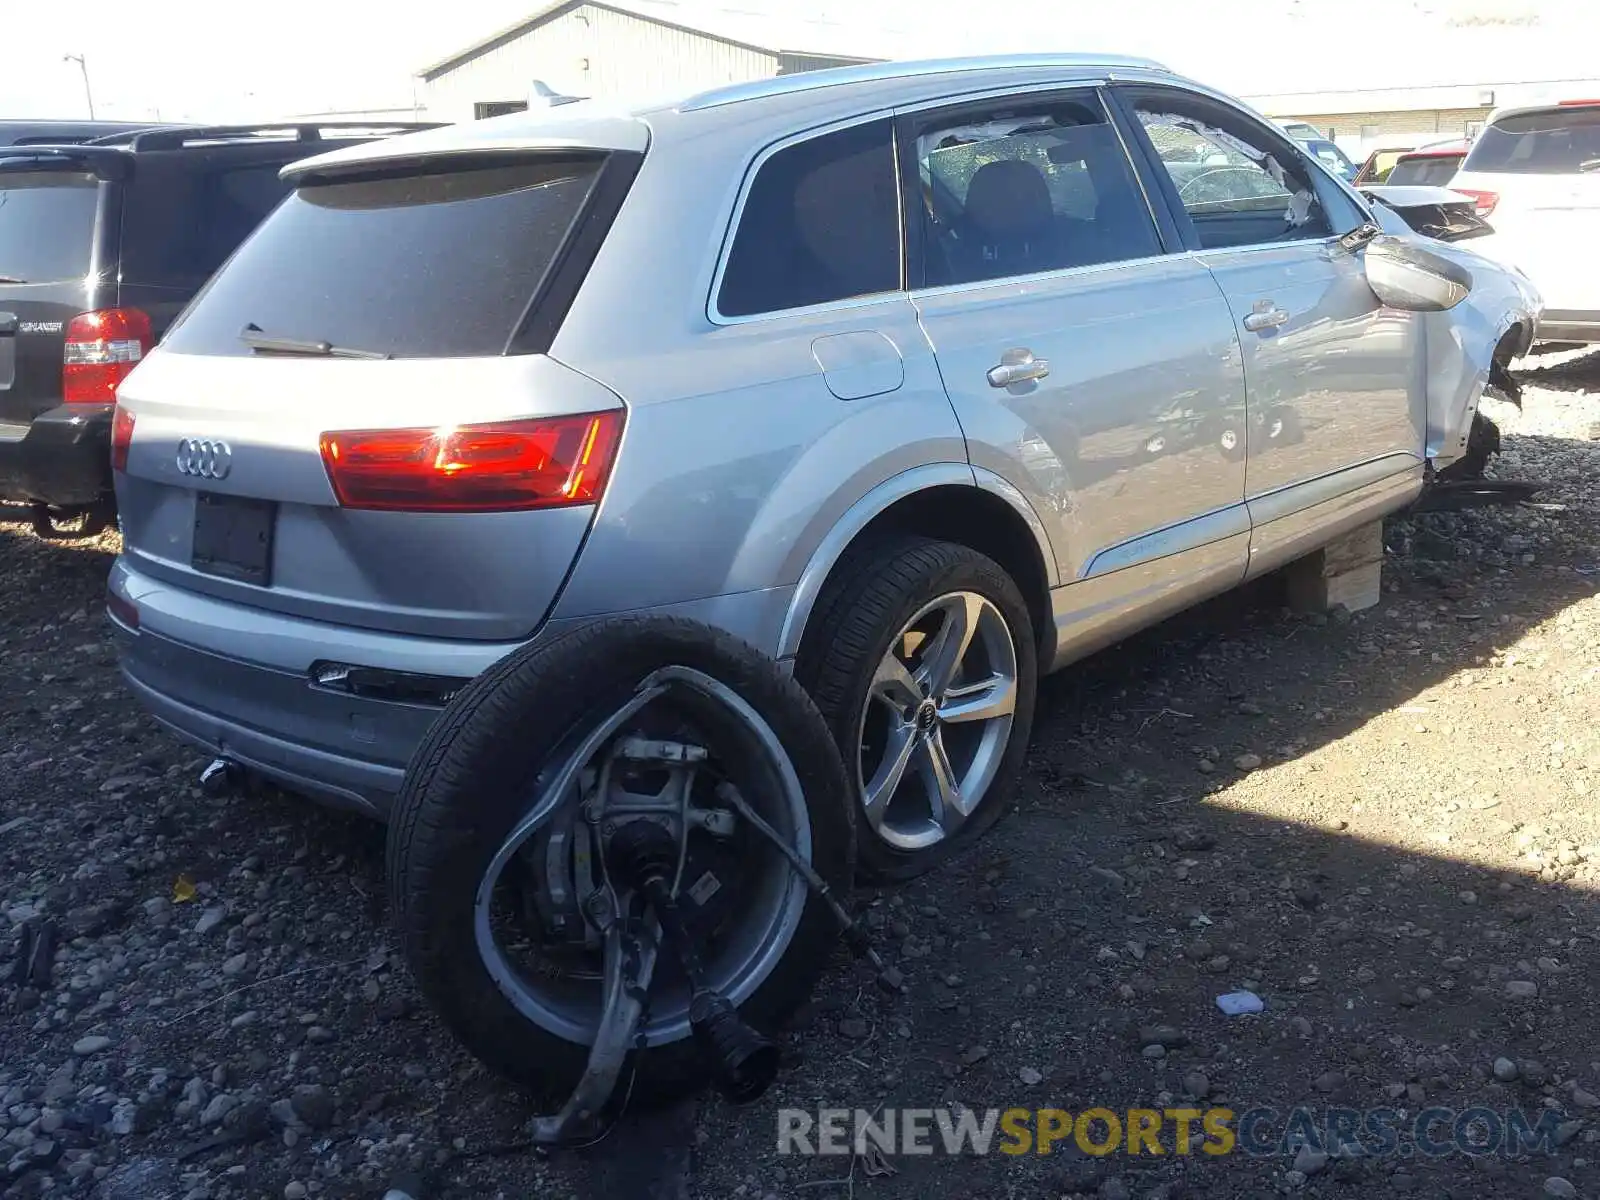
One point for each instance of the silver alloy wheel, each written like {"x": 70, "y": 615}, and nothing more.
{"x": 770, "y": 911}
{"x": 937, "y": 720}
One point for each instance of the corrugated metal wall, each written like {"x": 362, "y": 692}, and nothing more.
{"x": 793, "y": 64}
{"x": 595, "y": 52}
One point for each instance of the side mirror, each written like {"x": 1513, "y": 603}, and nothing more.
{"x": 1405, "y": 275}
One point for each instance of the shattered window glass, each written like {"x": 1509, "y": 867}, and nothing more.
{"x": 1234, "y": 192}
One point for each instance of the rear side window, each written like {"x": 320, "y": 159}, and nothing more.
{"x": 46, "y": 225}
{"x": 1551, "y": 141}
{"x": 821, "y": 223}
{"x": 1431, "y": 171}
{"x": 435, "y": 265}
{"x": 181, "y": 219}
{"x": 1019, "y": 189}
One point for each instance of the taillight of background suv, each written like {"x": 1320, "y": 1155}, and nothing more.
{"x": 102, "y": 347}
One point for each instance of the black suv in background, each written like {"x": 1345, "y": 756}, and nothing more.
{"x": 101, "y": 245}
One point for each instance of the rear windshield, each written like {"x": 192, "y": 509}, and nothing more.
{"x": 436, "y": 265}
{"x": 182, "y": 215}
{"x": 46, "y": 225}
{"x": 1434, "y": 170}
{"x": 1551, "y": 141}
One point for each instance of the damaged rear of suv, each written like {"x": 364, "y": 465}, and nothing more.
{"x": 380, "y": 447}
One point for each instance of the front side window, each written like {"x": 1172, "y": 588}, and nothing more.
{"x": 1238, "y": 190}
{"x": 1024, "y": 188}
{"x": 820, "y": 224}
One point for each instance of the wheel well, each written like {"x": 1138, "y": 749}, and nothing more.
{"x": 979, "y": 520}
{"x": 1513, "y": 344}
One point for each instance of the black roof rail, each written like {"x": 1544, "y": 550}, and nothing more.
{"x": 173, "y": 138}
{"x": 123, "y": 137}
{"x": 105, "y": 162}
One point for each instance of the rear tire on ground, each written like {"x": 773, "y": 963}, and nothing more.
{"x": 862, "y": 615}
{"x": 473, "y": 778}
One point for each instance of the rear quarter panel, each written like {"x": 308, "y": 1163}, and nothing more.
{"x": 738, "y": 460}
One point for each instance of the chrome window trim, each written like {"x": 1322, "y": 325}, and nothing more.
{"x": 948, "y": 289}
{"x": 1095, "y": 79}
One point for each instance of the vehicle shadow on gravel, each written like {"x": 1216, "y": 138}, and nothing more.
{"x": 1338, "y": 813}
{"x": 1383, "y": 824}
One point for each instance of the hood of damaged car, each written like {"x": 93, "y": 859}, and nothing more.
{"x": 1434, "y": 211}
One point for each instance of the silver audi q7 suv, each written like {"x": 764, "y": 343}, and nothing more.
{"x": 922, "y": 378}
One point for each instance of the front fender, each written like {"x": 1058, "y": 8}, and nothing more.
{"x": 1461, "y": 344}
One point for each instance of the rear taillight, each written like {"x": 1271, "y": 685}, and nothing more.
{"x": 1484, "y": 202}
{"x": 550, "y": 462}
{"x": 121, "y": 437}
{"x": 102, "y": 347}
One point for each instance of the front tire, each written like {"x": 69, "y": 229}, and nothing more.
{"x": 922, "y": 658}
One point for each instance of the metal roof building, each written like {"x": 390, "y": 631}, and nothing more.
{"x": 622, "y": 47}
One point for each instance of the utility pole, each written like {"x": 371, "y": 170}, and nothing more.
{"x": 84, "y": 67}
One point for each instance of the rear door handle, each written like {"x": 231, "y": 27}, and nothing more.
{"x": 1017, "y": 366}
{"x": 1265, "y": 315}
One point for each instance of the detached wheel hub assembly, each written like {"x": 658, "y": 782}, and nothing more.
{"x": 616, "y": 862}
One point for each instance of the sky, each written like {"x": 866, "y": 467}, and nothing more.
{"x": 188, "y": 60}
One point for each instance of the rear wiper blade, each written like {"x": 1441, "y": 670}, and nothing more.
{"x": 11, "y": 279}
{"x": 253, "y": 336}
{"x": 1589, "y": 164}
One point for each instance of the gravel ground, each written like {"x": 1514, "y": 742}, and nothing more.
{"x": 1383, "y": 825}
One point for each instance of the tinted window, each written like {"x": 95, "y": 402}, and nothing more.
{"x": 1552, "y": 141}
{"x": 820, "y": 224}
{"x": 1238, "y": 189}
{"x": 183, "y": 216}
{"x": 440, "y": 265}
{"x": 1026, "y": 189}
{"x": 46, "y": 224}
{"x": 1434, "y": 170}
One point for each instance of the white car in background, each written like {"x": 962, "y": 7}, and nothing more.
{"x": 1535, "y": 174}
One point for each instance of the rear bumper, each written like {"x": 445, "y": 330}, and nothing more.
{"x": 63, "y": 459}
{"x": 1569, "y": 325}
{"x": 238, "y": 682}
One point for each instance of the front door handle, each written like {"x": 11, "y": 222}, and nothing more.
{"x": 1265, "y": 315}
{"x": 1017, "y": 366}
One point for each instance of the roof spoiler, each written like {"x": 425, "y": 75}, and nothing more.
{"x": 313, "y": 132}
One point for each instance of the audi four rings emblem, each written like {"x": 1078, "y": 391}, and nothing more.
{"x": 205, "y": 458}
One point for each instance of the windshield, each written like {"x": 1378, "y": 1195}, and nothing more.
{"x": 1549, "y": 141}
{"x": 46, "y": 225}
